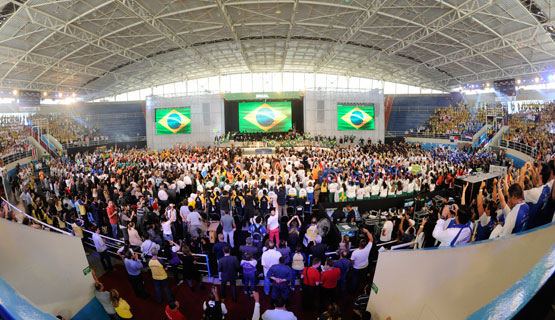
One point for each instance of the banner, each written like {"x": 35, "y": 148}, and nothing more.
{"x": 272, "y": 116}
{"x": 355, "y": 117}
{"x": 173, "y": 120}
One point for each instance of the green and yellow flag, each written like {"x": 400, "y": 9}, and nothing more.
{"x": 173, "y": 121}
{"x": 271, "y": 116}
{"x": 355, "y": 117}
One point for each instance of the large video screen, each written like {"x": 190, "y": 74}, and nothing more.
{"x": 173, "y": 120}
{"x": 351, "y": 117}
{"x": 271, "y": 116}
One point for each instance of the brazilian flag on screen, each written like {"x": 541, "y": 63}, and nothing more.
{"x": 355, "y": 117}
{"x": 173, "y": 120}
{"x": 272, "y": 116}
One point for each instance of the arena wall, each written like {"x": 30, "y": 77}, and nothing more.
{"x": 320, "y": 112}
{"x": 207, "y": 120}
{"x": 452, "y": 283}
{"x": 41, "y": 267}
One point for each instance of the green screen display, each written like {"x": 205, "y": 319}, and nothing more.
{"x": 355, "y": 117}
{"x": 173, "y": 120}
{"x": 272, "y": 116}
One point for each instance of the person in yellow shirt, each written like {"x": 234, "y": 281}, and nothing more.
{"x": 121, "y": 306}
{"x": 159, "y": 276}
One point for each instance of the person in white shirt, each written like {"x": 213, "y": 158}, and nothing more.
{"x": 279, "y": 313}
{"x": 386, "y": 230}
{"x": 332, "y": 189}
{"x": 384, "y": 189}
{"x": 273, "y": 227}
{"x": 458, "y": 233}
{"x": 351, "y": 192}
{"x": 100, "y": 245}
{"x": 269, "y": 258}
{"x": 359, "y": 258}
{"x": 515, "y": 210}
{"x": 375, "y": 189}
{"x": 167, "y": 229}
{"x": 194, "y": 220}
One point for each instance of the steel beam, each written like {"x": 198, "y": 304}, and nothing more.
{"x": 231, "y": 27}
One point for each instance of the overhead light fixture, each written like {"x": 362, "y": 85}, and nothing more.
{"x": 45, "y": 93}
{"x": 14, "y": 92}
{"x": 518, "y": 81}
{"x": 537, "y": 79}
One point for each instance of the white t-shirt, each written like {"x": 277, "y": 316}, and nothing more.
{"x": 273, "y": 222}
{"x": 269, "y": 258}
{"x": 360, "y": 257}
{"x": 388, "y": 226}
{"x": 277, "y": 314}
{"x": 167, "y": 227}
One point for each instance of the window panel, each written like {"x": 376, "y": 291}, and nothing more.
{"x": 214, "y": 84}
{"x": 331, "y": 81}
{"x": 202, "y": 84}
{"x": 267, "y": 77}
{"x": 276, "y": 82}
{"x": 365, "y": 83}
{"x": 389, "y": 88}
{"x": 134, "y": 95}
{"x": 257, "y": 82}
{"x": 320, "y": 81}
{"x": 354, "y": 83}
{"x": 342, "y": 82}
{"x": 288, "y": 82}
{"x": 246, "y": 82}
{"x": 414, "y": 90}
{"x": 298, "y": 81}
{"x": 224, "y": 84}
{"x": 309, "y": 80}
{"x": 235, "y": 85}
{"x": 402, "y": 89}
{"x": 159, "y": 90}
{"x": 181, "y": 87}
{"x": 192, "y": 86}
{"x": 169, "y": 88}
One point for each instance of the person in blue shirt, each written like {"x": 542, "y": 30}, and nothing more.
{"x": 134, "y": 268}
{"x": 281, "y": 276}
{"x": 218, "y": 248}
{"x": 344, "y": 264}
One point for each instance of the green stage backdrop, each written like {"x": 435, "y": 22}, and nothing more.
{"x": 355, "y": 117}
{"x": 271, "y": 116}
{"x": 173, "y": 120}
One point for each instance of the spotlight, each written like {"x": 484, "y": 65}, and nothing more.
{"x": 550, "y": 77}
{"x": 537, "y": 79}
{"x": 518, "y": 81}
{"x": 45, "y": 93}
{"x": 60, "y": 94}
{"x": 14, "y": 92}
{"x": 73, "y": 94}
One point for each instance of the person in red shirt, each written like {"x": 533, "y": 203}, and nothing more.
{"x": 113, "y": 217}
{"x": 311, "y": 279}
{"x": 172, "y": 311}
{"x": 330, "y": 276}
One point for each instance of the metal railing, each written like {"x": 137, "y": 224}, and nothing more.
{"x": 92, "y": 143}
{"x": 521, "y": 147}
{"x": 112, "y": 244}
{"x": 7, "y": 159}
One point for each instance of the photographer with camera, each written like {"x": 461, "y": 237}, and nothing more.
{"x": 455, "y": 233}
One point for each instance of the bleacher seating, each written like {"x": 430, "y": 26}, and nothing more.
{"x": 403, "y": 118}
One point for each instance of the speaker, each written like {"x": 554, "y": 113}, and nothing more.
{"x": 206, "y": 114}
{"x": 320, "y": 115}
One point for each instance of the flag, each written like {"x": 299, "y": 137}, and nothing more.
{"x": 34, "y": 153}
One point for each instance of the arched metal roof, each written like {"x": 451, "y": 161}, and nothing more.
{"x": 96, "y": 47}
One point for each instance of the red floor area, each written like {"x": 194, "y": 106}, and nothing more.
{"x": 191, "y": 302}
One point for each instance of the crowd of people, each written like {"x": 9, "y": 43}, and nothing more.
{"x": 67, "y": 128}
{"x": 160, "y": 203}
{"x": 13, "y": 138}
{"x": 533, "y": 126}
{"x": 458, "y": 120}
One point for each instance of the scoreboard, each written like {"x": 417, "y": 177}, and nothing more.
{"x": 505, "y": 87}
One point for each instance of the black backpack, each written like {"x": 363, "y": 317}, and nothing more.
{"x": 256, "y": 234}
{"x": 213, "y": 312}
